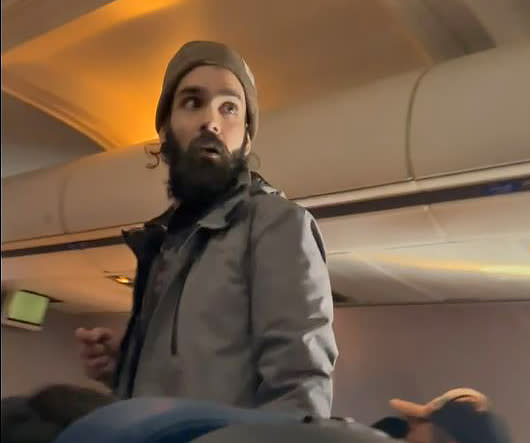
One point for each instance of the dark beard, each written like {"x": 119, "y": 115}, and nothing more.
{"x": 197, "y": 181}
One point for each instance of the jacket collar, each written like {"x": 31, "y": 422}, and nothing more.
{"x": 220, "y": 216}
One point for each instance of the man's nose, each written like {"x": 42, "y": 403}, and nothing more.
{"x": 211, "y": 122}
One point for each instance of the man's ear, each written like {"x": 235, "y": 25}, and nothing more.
{"x": 248, "y": 144}
{"x": 162, "y": 133}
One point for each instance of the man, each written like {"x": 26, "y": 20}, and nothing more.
{"x": 232, "y": 300}
{"x": 459, "y": 416}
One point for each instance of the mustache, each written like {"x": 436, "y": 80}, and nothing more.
{"x": 208, "y": 140}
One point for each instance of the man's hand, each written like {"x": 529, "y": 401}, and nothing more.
{"x": 98, "y": 349}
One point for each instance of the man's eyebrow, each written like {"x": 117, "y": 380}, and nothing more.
{"x": 197, "y": 90}
{"x": 189, "y": 90}
{"x": 229, "y": 92}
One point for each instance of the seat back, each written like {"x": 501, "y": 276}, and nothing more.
{"x": 295, "y": 433}
{"x": 161, "y": 420}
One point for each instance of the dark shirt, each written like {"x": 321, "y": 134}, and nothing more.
{"x": 162, "y": 272}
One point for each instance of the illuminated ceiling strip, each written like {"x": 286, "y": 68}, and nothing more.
{"x": 455, "y": 266}
{"x": 93, "y": 23}
{"x": 86, "y": 27}
{"x": 61, "y": 114}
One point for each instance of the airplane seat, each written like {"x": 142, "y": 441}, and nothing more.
{"x": 163, "y": 420}
{"x": 295, "y": 433}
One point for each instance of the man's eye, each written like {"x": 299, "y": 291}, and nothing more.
{"x": 191, "y": 103}
{"x": 229, "y": 108}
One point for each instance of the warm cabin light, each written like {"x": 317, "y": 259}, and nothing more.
{"x": 56, "y": 73}
{"x": 121, "y": 279}
{"x": 512, "y": 270}
{"x": 86, "y": 26}
{"x": 443, "y": 265}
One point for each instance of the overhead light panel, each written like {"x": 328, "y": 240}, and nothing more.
{"x": 122, "y": 280}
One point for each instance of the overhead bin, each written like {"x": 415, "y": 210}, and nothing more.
{"x": 109, "y": 189}
{"x": 114, "y": 189}
{"x": 32, "y": 204}
{"x": 468, "y": 114}
{"x": 472, "y": 113}
{"x": 350, "y": 140}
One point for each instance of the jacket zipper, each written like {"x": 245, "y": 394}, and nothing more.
{"x": 181, "y": 280}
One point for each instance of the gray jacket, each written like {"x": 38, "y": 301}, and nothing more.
{"x": 247, "y": 321}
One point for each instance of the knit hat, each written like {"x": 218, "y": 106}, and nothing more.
{"x": 199, "y": 53}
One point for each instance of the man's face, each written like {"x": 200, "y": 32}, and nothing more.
{"x": 204, "y": 138}
{"x": 424, "y": 431}
{"x": 420, "y": 431}
{"x": 211, "y": 99}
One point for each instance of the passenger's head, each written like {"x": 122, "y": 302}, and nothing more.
{"x": 64, "y": 404}
{"x": 207, "y": 116}
{"x": 458, "y": 416}
{"x": 393, "y": 426}
{"x": 41, "y": 417}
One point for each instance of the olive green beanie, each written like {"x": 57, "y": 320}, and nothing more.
{"x": 198, "y": 53}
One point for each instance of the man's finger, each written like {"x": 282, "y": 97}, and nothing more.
{"x": 93, "y": 351}
{"x": 96, "y": 335}
{"x": 99, "y": 362}
{"x": 83, "y": 334}
{"x": 102, "y": 334}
